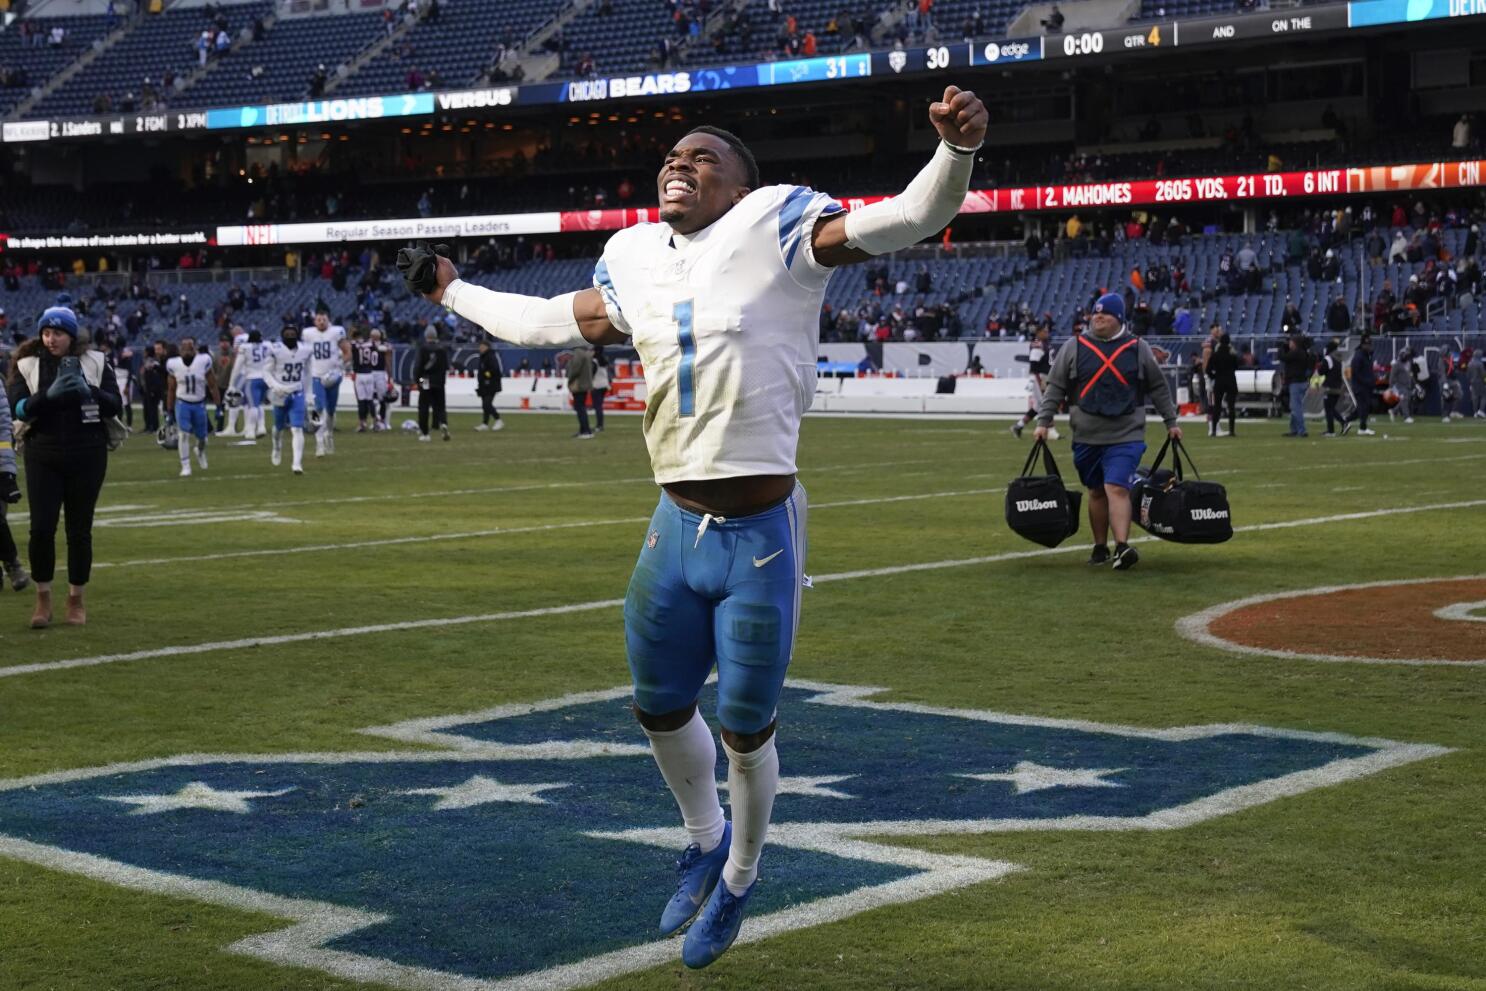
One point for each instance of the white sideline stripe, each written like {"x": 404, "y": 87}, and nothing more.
{"x": 205, "y": 477}
{"x": 417, "y": 624}
{"x": 1198, "y": 626}
{"x": 312, "y": 924}
{"x": 493, "y": 532}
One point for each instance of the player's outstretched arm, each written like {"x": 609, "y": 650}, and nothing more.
{"x": 928, "y": 204}
{"x": 564, "y": 321}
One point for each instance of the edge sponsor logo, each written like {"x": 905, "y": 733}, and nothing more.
{"x": 475, "y": 99}
{"x": 26, "y": 130}
{"x": 621, "y": 86}
{"x": 456, "y": 860}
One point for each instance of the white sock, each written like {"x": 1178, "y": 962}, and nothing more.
{"x": 253, "y": 417}
{"x": 183, "y": 445}
{"x": 232, "y": 412}
{"x": 297, "y": 444}
{"x": 752, "y": 780}
{"x": 687, "y": 758}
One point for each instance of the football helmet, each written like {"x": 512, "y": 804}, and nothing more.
{"x": 167, "y": 436}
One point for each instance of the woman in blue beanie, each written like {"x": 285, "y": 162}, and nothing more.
{"x": 62, "y": 394}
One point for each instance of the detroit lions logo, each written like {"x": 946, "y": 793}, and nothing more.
{"x": 530, "y": 846}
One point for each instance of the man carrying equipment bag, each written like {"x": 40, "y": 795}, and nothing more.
{"x": 1170, "y": 506}
{"x": 1040, "y": 507}
{"x": 1107, "y": 375}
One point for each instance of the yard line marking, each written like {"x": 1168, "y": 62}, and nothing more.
{"x": 359, "y": 468}
{"x": 476, "y": 534}
{"x": 418, "y": 624}
{"x": 122, "y": 508}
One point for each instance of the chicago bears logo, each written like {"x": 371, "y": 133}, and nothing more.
{"x": 530, "y": 845}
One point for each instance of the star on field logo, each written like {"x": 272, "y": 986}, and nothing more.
{"x": 530, "y": 846}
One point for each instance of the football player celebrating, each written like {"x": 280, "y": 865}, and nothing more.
{"x": 722, "y": 301}
{"x": 288, "y": 378}
{"x": 330, "y": 354}
{"x": 189, "y": 377}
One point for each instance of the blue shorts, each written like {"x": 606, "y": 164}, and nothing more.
{"x": 729, "y": 598}
{"x": 327, "y": 391}
{"x": 291, "y": 414}
{"x": 257, "y": 392}
{"x": 190, "y": 418}
{"x": 1107, "y": 464}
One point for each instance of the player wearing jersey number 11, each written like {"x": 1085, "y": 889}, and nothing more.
{"x": 721, "y": 299}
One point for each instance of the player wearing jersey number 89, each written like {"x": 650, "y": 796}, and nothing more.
{"x": 722, "y": 301}
{"x": 330, "y": 352}
{"x": 189, "y": 377}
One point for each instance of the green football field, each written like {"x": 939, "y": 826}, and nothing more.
{"x": 1372, "y": 882}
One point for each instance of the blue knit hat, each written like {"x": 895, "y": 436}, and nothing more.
{"x": 1112, "y": 304}
{"x": 58, "y": 318}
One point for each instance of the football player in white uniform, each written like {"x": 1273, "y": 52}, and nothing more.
{"x": 722, "y": 300}
{"x": 248, "y": 371}
{"x": 288, "y": 378}
{"x": 189, "y": 377}
{"x": 331, "y": 352}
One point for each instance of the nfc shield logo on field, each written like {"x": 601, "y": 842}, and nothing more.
{"x": 531, "y": 845}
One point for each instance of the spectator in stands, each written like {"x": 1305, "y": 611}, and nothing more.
{"x": 203, "y": 46}
{"x": 1460, "y": 136}
{"x": 318, "y": 78}
{"x": 1338, "y": 316}
{"x": 1375, "y": 247}
{"x": 1398, "y": 252}
{"x": 1298, "y": 363}
{"x": 223, "y": 42}
{"x": 1290, "y": 320}
{"x": 58, "y": 36}
{"x": 1053, "y": 23}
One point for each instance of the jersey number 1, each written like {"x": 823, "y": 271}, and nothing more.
{"x": 686, "y": 373}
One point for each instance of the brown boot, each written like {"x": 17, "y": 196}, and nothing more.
{"x": 77, "y": 614}
{"x": 41, "y": 618}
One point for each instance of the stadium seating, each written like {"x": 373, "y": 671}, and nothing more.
{"x": 158, "y": 44}
{"x": 619, "y": 41}
{"x": 458, "y": 45}
{"x": 288, "y": 56}
{"x": 41, "y": 63}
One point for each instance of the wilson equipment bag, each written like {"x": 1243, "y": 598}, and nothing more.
{"x": 1185, "y": 511}
{"x": 1040, "y": 507}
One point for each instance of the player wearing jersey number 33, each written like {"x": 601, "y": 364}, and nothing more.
{"x": 721, "y": 300}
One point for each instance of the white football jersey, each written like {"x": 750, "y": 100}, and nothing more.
{"x": 327, "y": 362}
{"x": 289, "y": 368}
{"x": 726, "y": 322}
{"x": 190, "y": 380}
{"x": 255, "y": 358}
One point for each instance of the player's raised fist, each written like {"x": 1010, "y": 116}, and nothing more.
{"x": 960, "y": 117}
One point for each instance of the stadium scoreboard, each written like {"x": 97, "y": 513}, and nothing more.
{"x": 1131, "y": 40}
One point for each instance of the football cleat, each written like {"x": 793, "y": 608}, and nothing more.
{"x": 501, "y": 424}
{"x": 716, "y": 928}
{"x": 201, "y": 455}
{"x": 699, "y": 873}
{"x": 185, "y": 469}
{"x": 275, "y": 456}
{"x": 16, "y": 572}
{"x": 1016, "y": 429}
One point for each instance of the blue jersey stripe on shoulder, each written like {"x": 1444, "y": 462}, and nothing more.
{"x": 791, "y": 212}
{"x": 601, "y": 275}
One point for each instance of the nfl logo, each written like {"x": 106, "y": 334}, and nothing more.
{"x": 897, "y": 60}
{"x": 653, "y": 539}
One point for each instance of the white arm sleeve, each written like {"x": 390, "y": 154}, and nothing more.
{"x": 526, "y": 320}
{"x": 929, "y": 203}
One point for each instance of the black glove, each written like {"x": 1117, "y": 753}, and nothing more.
{"x": 419, "y": 266}
{"x": 9, "y": 490}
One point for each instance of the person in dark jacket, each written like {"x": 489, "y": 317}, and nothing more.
{"x": 65, "y": 412}
{"x": 487, "y": 385}
{"x": 1298, "y": 363}
{"x": 1332, "y": 382}
{"x": 152, "y": 382}
{"x": 10, "y": 493}
{"x": 1364, "y": 383}
{"x": 600, "y": 387}
{"x": 432, "y": 364}
{"x": 580, "y": 381}
{"x": 1222, "y": 370}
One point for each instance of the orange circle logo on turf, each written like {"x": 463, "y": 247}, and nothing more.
{"x": 1418, "y": 621}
